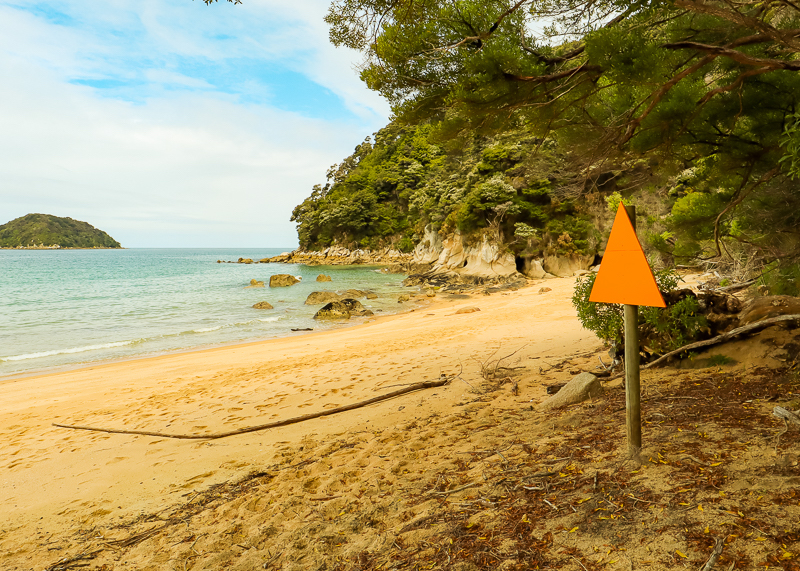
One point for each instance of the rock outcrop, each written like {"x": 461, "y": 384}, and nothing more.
{"x": 483, "y": 258}
{"x": 566, "y": 266}
{"x": 263, "y": 305}
{"x": 322, "y": 297}
{"x": 579, "y": 389}
{"x": 339, "y": 256}
{"x": 282, "y": 280}
{"x": 319, "y": 297}
{"x": 323, "y": 278}
{"x": 343, "y": 309}
{"x": 255, "y": 283}
{"x": 473, "y": 259}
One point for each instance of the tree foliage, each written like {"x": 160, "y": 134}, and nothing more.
{"x": 707, "y": 90}
{"x": 390, "y": 189}
{"x": 47, "y": 230}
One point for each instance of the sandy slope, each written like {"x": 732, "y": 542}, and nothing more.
{"x": 463, "y": 477}
{"x": 57, "y": 479}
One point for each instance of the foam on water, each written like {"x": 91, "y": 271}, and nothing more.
{"x": 62, "y": 308}
{"x": 64, "y": 351}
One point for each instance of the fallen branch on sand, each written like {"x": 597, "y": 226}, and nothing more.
{"x": 715, "y": 340}
{"x": 712, "y": 561}
{"x": 418, "y": 386}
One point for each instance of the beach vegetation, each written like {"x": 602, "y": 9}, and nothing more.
{"x": 660, "y": 329}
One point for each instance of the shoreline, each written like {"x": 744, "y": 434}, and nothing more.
{"x": 345, "y": 324}
{"x": 56, "y": 479}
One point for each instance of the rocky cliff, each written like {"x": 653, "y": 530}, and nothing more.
{"x": 475, "y": 258}
{"x": 485, "y": 257}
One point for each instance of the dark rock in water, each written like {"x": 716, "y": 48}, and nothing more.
{"x": 356, "y": 308}
{"x": 354, "y": 293}
{"x": 321, "y": 297}
{"x": 333, "y": 310}
{"x": 323, "y": 278}
{"x": 343, "y": 309}
{"x": 282, "y": 280}
{"x": 263, "y": 305}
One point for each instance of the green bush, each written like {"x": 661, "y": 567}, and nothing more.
{"x": 660, "y": 329}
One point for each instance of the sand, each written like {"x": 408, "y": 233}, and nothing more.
{"x": 400, "y": 481}
{"x": 55, "y": 479}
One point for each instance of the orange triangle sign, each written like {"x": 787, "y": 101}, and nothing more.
{"x": 625, "y": 276}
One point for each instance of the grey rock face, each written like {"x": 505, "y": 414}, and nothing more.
{"x": 579, "y": 389}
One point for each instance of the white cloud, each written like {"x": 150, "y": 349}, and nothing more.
{"x": 182, "y": 168}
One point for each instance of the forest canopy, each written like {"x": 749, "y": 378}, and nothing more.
{"x": 705, "y": 90}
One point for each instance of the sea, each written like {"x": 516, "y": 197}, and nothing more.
{"x": 61, "y": 309}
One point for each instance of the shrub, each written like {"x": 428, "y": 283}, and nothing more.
{"x": 661, "y": 329}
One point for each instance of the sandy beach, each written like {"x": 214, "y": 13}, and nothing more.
{"x": 115, "y": 501}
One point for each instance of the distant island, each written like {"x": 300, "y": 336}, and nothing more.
{"x": 47, "y": 232}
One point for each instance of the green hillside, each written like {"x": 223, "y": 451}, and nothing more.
{"x": 34, "y": 230}
{"x": 689, "y": 111}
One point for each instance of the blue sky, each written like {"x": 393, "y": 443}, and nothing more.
{"x": 169, "y": 123}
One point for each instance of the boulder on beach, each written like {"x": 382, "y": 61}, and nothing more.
{"x": 263, "y": 305}
{"x": 282, "y": 280}
{"x": 323, "y": 278}
{"x": 321, "y": 297}
{"x": 468, "y": 310}
{"x": 545, "y": 289}
{"x": 333, "y": 310}
{"x": 343, "y": 309}
{"x": 579, "y": 389}
{"x": 403, "y": 297}
{"x": 356, "y": 308}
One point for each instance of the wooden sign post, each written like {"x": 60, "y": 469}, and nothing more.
{"x": 625, "y": 277}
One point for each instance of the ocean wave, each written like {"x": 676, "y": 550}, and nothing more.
{"x": 66, "y": 351}
{"x": 206, "y": 329}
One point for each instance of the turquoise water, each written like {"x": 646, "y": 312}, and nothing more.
{"x": 70, "y": 307}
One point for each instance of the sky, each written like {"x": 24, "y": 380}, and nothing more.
{"x": 170, "y": 123}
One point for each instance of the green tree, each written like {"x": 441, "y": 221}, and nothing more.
{"x": 677, "y": 80}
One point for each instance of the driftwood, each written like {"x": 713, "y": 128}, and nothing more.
{"x": 712, "y": 561}
{"x": 724, "y": 337}
{"x": 415, "y": 387}
{"x": 714, "y": 341}
{"x": 787, "y": 415}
